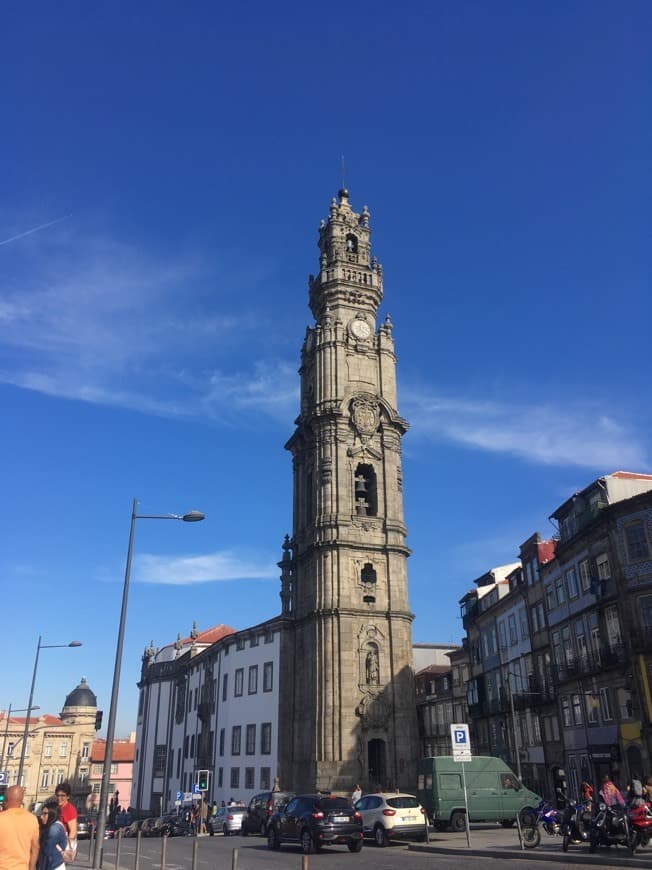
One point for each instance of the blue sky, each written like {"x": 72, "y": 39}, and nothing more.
{"x": 181, "y": 156}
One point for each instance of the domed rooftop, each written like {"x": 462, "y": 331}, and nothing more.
{"x": 81, "y": 696}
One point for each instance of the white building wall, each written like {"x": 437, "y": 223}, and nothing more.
{"x": 248, "y": 708}
{"x": 158, "y": 725}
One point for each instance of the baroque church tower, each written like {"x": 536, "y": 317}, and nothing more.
{"x": 347, "y": 703}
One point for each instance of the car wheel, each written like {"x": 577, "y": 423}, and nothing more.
{"x": 355, "y": 846}
{"x": 507, "y": 823}
{"x": 380, "y": 836}
{"x": 458, "y": 822}
{"x": 273, "y": 842}
{"x": 307, "y": 843}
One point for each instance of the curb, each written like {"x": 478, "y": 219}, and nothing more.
{"x": 571, "y": 857}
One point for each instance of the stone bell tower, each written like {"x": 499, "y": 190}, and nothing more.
{"x": 347, "y": 703}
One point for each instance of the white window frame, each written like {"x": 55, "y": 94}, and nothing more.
{"x": 603, "y": 567}
{"x": 571, "y": 583}
{"x": 605, "y": 704}
{"x": 585, "y": 575}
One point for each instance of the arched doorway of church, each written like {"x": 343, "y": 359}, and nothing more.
{"x": 376, "y": 763}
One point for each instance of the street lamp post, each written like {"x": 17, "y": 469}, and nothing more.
{"x": 191, "y": 517}
{"x": 4, "y": 742}
{"x": 39, "y": 647}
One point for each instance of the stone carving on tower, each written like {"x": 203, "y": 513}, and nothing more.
{"x": 347, "y": 711}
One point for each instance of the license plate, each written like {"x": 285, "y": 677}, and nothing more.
{"x": 340, "y": 818}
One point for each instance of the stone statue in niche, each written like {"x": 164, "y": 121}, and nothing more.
{"x": 372, "y": 669}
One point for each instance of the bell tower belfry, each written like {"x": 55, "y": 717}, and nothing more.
{"x": 347, "y": 703}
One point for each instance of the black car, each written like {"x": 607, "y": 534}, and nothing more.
{"x": 260, "y": 810}
{"x": 316, "y": 820}
{"x": 172, "y": 825}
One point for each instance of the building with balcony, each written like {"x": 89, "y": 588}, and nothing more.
{"x": 561, "y": 653}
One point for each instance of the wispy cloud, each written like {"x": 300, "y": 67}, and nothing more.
{"x": 574, "y": 433}
{"x": 100, "y": 321}
{"x": 210, "y": 568}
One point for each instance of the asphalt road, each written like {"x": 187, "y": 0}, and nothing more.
{"x": 217, "y": 853}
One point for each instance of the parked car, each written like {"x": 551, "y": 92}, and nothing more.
{"x": 316, "y": 820}
{"x": 227, "y": 821}
{"x": 158, "y": 826}
{"x": 147, "y": 827}
{"x": 261, "y": 809}
{"x": 387, "y": 817}
{"x": 173, "y": 825}
{"x": 83, "y": 828}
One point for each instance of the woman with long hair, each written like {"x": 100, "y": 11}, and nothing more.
{"x": 52, "y": 838}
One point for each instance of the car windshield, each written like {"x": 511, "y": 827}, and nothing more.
{"x": 403, "y": 802}
{"x": 326, "y": 805}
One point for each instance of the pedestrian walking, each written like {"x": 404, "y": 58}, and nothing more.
{"x": 53, "y": 838}
{"x": 19, "y": 833}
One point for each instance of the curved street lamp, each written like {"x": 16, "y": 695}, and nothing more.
{"x": 190, "y": 517}
{"x": 39, "y": 647}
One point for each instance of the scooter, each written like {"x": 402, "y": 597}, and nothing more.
{"x": 574, "y": 826}
{"x": 609, "y": 827}
{"x": 639, "y": 820}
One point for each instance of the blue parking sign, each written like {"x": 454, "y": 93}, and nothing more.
{"x": 461, "y": 742}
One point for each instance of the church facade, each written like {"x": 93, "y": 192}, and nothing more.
{"x": 328, "y": 697}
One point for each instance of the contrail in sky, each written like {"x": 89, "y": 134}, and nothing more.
{"x": 35, "y": 230}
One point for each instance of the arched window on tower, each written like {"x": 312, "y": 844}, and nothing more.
{"x": 368, "y": 577}
{"x": 351, "y": 244}
{"x": 365, "y": 495}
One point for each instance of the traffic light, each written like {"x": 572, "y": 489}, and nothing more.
{"x": 202, "y": 780}
{"x": 98, "y": 720}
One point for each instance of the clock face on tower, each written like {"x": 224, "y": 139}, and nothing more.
{"x": 360, "y": 328}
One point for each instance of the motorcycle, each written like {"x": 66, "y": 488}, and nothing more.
{"x": 609, "y": 827}
{"x": 639, "y": 820}
{"x": 574, "y": 825}
{"x": 545, "y": 816}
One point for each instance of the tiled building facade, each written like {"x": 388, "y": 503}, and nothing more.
{"x": 561, "y": 644}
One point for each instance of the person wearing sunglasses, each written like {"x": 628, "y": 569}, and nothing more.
{"x": 52, "y": 838}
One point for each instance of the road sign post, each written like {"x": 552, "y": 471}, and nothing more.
{"x": 462, "y": 752}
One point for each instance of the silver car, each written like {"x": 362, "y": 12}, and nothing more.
{"x": 227, "y": 821}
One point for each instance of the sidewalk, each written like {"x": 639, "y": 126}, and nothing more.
{"x": 493, "y": 842}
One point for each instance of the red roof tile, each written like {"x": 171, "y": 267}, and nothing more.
{"x": 209, "y": 636}
{"x": 123, "y": 751}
